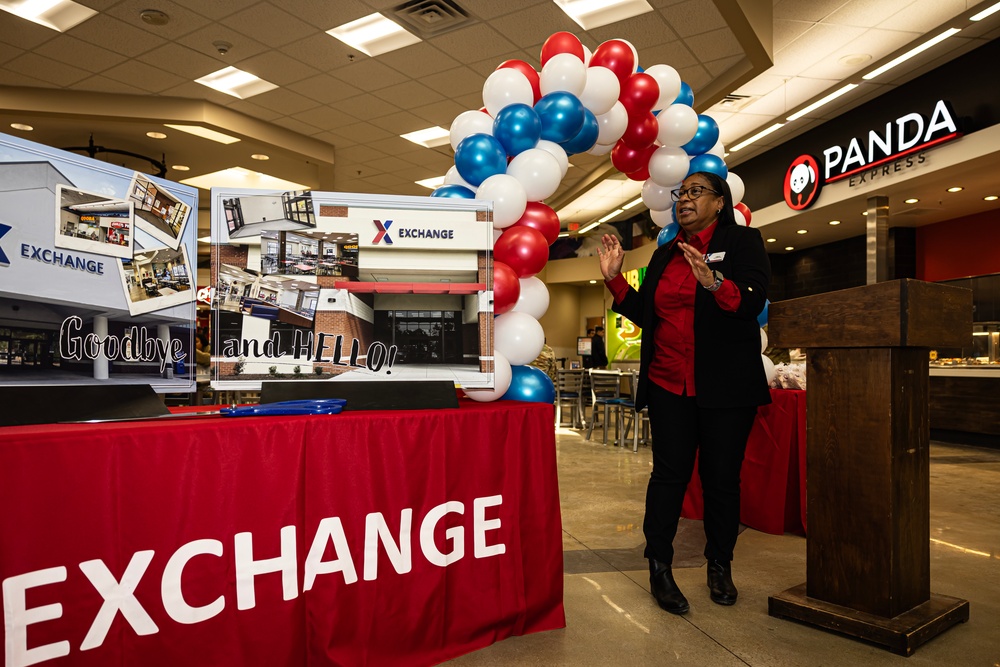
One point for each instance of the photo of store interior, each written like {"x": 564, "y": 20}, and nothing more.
{"x": 158, "y": 207}
{"x": 309, "y": 253}
{"x": 157, "y": 273}
{"x": 94, "y": 218}
{"x": 252, "y": 216}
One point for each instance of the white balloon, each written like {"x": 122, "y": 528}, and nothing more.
{"x": 769, "y": 370}
{"x": 668, "y": 165}
{"x": 737, "y": 187}
{"x": 587, "y": 55}
{"x": 635, "y": 55}
{"x": 454, "y": 178}
{"x": 741, "y": 219}
{"x": 540, "y": 175}
{"x": 534, "y": 299}
{"x": 718, "y": 150}
{"x": 563, "y": 72}
{"x": 518, "y": 337}
{"x": 612, "y": 125}
{"x": 557, "y": 151}
{"x": 497, "y": 233}
{"x": 468, "y": 123}
{"x": 662, "y": 218}
{"x": 501, "y": 381}
{"x": 602, "y": 90}
{"x": 506, "y": 86}
{"x": 669, "y": 82}
{"x": 601, "y": 149}
{"x": 763, "y": 340}
{"x": 509, "y": 199}
{"x": 678, "y": 124}
{"x": 655, "y": 196}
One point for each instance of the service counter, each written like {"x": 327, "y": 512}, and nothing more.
{"x": 965, "y": 401}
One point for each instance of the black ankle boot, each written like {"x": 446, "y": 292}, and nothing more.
{"x": 664, "y": 589}
{"x": 720, "y": 582}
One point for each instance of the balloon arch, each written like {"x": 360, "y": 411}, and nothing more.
{"x": 515, "y": 151}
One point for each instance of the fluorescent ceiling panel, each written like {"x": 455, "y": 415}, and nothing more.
{"x": 58, "y": 15}
{"x": 236, "y": 82}
{"x": 590, "y": 14}
{"x": 429, "y": 137}
{"x": 373, "y": 35}
{"x": 204, "y": 133}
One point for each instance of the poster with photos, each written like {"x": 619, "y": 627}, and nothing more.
{"x": 158, "y": 211}
{"x": 93, "y": 223}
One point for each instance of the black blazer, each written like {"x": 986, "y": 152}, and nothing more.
{"x": 728, "y": 372}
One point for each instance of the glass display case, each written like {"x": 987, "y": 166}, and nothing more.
{"x": 984, "y": 351}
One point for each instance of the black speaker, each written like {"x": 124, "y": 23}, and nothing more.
{"x": 47, "y": 404}
{"x": 368, "y": 394}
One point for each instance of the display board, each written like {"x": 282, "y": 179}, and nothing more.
{"x": 96, "y": 274}
{"x": 323, "y": 286}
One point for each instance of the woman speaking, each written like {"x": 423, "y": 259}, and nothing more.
{"x": 700, "y": 372}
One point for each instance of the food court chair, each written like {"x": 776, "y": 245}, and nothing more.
{"x": 605, "y": 392}
{"x": 638, "y": 420}
{"x": 569, "y": 392}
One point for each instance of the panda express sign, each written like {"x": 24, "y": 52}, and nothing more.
{"x": 896, "y": 146}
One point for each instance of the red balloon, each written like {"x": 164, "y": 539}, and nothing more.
{"x": 523, "y": 249}
{"x": 640, "y": 175}
{"x": 541, "y": 217}
{"x": 639, "y": 94}
{"x": 506, "y": 288}
{"x": 529, "y": 72}
{"x": 617, "y": 56}
{"x": 745, "y": 210}
{"x": 561, "y": 42}
{"x": 629, "y": 160}
{"x": 641, "y": 132}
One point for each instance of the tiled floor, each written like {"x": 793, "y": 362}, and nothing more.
{"x": 612, "y": 620}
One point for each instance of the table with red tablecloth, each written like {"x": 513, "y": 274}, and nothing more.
{"x": 773, "y": 478}
{"x": 370, "y": 537}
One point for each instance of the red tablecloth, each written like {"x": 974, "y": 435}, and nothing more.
{"x": 365, "y": 538}
{"x": 772, "y": 492}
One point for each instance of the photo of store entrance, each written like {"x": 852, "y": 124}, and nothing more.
{"x": 27, "y": 348}
{"x": 422, "y": 336}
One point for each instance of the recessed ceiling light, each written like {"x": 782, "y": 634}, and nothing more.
{"x": 837, "y": 222}
{"x": 59, "y": 15}
{"x": 802, "y": 231}
{"x": 789, "y": 247}
{"x": 563, "y": 235}
{"x": 373, "y": 35}
{"x": 634, "y": 202}
{"x": 431, "y": 183}
{"x": 238, "y": 177}
{"x": 429, "y": 137}
{"x": 990, "y": 198}
{"x": 955, "y": 189}
{"x": 756, "y": 137}
{"x": 911, "y": 200}
{"x": 22, "y": 126}
{"x": 236, "y": 82}
{"x": 589, "y": 14}
{"x": 180, "y": 167}
{"x": 610, "y": 215}
{"x": 260, "y": 156}
{"x": 986, "y": 12}
{"x": 909, "y": 54}
{"x": 593, "y": 282}
{"x": 204, "y": 133}
{"x": 156, "y": 135}
{"x": 771, "y": 240}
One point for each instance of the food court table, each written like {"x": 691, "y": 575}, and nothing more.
{"x": 365, "y": 538}
{"x": 773, "y": 478}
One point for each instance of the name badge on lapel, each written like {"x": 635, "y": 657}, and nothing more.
{"x": 715, "y": 257}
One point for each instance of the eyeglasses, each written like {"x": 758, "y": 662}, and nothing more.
{"x": 692, "y": 193}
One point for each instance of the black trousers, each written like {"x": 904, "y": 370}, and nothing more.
{"x": 680, "y": 429}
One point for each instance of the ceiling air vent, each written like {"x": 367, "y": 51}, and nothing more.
{"x": 734, "y": 102}
{"x": 430, "y": 18}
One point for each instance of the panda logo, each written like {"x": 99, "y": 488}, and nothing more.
{"x": 802, "y": 183}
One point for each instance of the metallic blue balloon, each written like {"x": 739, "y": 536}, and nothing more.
{"x": 517, "y": 128}
{"x": 454, "y": 191}
{"x": 562, "y": 116}
{"x": 762, "y": 318}
{"x": 529, "y": 384}
{"x": 686, "y": 96}
{"x": 706, "y": 136}
{"x": 586, "y": 137}
{"x": 478, "y": 157}
{"x": 710, "y": 163}
{"x": 668, "y": 233}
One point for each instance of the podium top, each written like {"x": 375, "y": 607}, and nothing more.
{"x": 896, "y": 313}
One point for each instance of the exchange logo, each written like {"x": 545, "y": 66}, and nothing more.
{"x": 3, "y": 256}
{"x": 383, "y": 232}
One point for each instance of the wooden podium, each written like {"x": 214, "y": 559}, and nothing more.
{"x": 868, "y": 550}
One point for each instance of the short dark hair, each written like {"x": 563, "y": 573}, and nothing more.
{"x": 599, "y": 329}
{"x": 719, "y": 184}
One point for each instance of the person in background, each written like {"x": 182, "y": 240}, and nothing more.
{"x": 598, "y": 353}
{"x": 586, "y": 359}
{"x": 546, "y": 361}
{"x": 700, "y": 373}
{"x": 202, "y": 352}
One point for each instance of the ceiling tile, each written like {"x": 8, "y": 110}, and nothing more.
{"x": 441, "y": 113}
{"x": 325, "y": 118}
{"x": 358, "y": 155}
{"x": 46, "y": 69}
{"x": 387, "y": 164}
{"x": 368, "y": 74}
{"x": 216, "y": 9}
{"x": 779, "y": 102}
{"x": 924, "y": 15}
{"x": 10, "y": 78}
{"x": 719, "y": 67}
{"x": 270, "y": 25}
{"x": 325, "y": 14}
{"x": 396, "y": 145}
{"x": 182, "y": 20}
{"x": 324, "y": 88}
{"x": 458, "y": 81}
{"x": 253, "y": 110}
{"x": 813, "y": 11}
{"x": 102, "y": 84}
{"x": 197, "y": 91}
{"x": 476, "y": 42}
{"x": 714, "y": 44}
{"x": 335, "y": 139}
{"x": 695, "y": 76}
{"x": 676, "y": 54}
{"x": 644, "y": 31}
{"x": 813, "y": 46}
{"x": 297, "y": 126}
{"x": 277, "y": 68}
{"x": 364, "y": 132}
{"x": 365, "y": 107}
{"x": 182, "y": 61}
{"x": 143, "y": 76}
{"x": 866, "y": 13}
{"x": 242, "y": 46}
{"x": 22, "y": 33}
{"x": 401, "y": 122}
{"x": 8, "y": 52}
{"x": 419, "y": 60}
{"x": 490, "y": 9}
{"x": 73, "y": 51}
{"x": 322, "y": 52}
{"x": 535, "y": 24}
{"x": 284, "y": 101}
{"x": 785, "y": 32}
{"x": 405, "y": 95}
{"x": 761, "y": 85}
{"x": 116, "y": 35}
{"x": 694, "y": 17}
{"x": 875, "y": 42}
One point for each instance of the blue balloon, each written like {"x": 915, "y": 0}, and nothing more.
{"x": 586, "y": 137}
{"x": 762, "y": 318}
{"x": 562, "y": 116}
{"x": 668, "y": 233}
{"x": 478, "y": 157}
{"x": 710, "y": 163}
{"x": 454, "y": 191}
{"x": 517, "y": 128}
{"x": 706, "y": 136}
{"x": 686, "y": 96}
{"x": 531, "y": 385}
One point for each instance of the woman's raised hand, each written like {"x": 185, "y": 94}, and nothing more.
{"x": 612, "y": 255}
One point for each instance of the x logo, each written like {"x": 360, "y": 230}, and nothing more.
{"x": 383, "y": 232}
